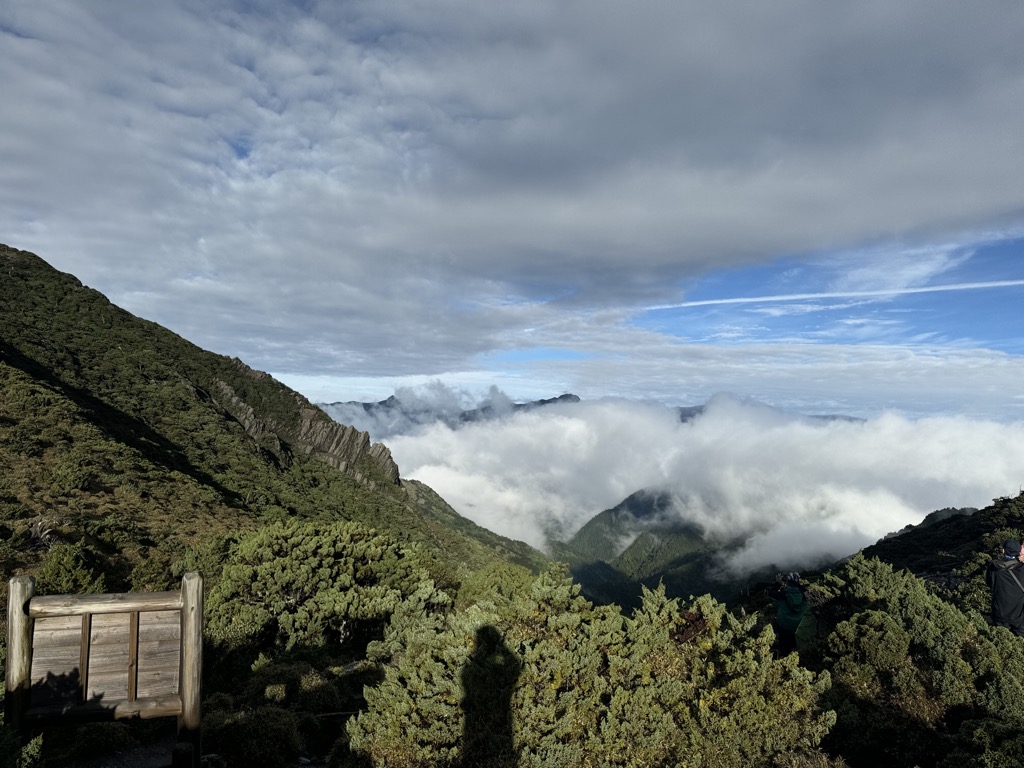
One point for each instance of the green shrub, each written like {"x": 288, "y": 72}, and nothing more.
{"x": 8, "y": 746}
{"x": 916, "y": 679}
{"x": 414, "y": 716}
{"x": 309, "y": 584}
{"x": 293, "y": 684}
{"x": 550, "y": 680}
{"x": 70, "y": 569}
{"x": 501, "y": 583}
{"x": 98, "y": 739}
{"x": 13, "y": 755}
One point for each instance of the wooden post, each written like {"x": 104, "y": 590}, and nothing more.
{"x": 191, "y": 663}
{"x": 19, "y": 650}
{"x": 83, "y": 656}
{"x": 133, "y": 655}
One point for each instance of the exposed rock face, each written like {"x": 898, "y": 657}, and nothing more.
{"x": 313, "y": 432}
{"x": 342, "y": 446}
{"x": 258, "y": 430}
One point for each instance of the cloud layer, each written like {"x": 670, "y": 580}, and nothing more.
{"x": 801, "y": 490}
{"x": 362, "y": 190}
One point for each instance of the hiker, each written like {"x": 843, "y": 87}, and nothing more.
{"x": 1005, "y": 576}
{"x": 791, "y": 605}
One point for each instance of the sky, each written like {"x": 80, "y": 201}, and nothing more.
{"x": 819, "y": 206}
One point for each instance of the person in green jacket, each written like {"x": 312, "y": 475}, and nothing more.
{"x": 790, "y": 608}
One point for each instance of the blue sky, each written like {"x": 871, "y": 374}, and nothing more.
{"x": 967, "y": 297}
{"x": 658, "y": 203}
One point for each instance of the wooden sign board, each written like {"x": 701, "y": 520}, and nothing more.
{"x": 106, "y": 656}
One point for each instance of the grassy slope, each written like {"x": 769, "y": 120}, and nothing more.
{"x": 108, "y": 431}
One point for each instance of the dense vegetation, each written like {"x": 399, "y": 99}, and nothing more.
{"x": 360, "y": 620}
{"x": 120, "y": 433}
{"x": 662, "y": 551}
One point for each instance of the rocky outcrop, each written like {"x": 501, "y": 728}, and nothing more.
{"x": 343, "y": 447}
{"x": 307, "y": 429}
{"x": 257, "y": 429}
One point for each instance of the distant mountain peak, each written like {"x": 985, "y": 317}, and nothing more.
{"x": 394, "y": 415}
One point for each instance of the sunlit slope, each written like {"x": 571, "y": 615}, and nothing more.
{"x": 117, "y": 431}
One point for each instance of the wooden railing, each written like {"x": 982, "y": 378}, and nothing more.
{"x": 106, "y": 657}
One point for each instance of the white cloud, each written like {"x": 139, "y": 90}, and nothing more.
{"x": 905, "y": 270}
{"x": 800, "y": 489}
{"x": 370, "y": 188}
{"x": 893, "y": 290}
{"x": 855, "y": 380}
{"x": 359, "y": 197}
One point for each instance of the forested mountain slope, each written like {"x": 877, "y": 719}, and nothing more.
{"x": 120, "y": 436}
{"x": 641, "y": 543}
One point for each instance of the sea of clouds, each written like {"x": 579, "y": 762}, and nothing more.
{"x": 800, "y": 490}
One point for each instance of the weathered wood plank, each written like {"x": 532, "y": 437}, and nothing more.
{"x": 168, "y": 657}
{"x": 57, "y": 630}
{"x": 113, "y": 635}
{"x": 131, "y": 655}
{"x": 108, "y": 686}
{"x": 61, "y": 651}
{"x": 109, "y": 629}
{"x": 191, "y": 663}
{"x": 159, "y": 653}
{"x": 56, "y": 663}
{"x": 18, "y": 680}
{"x": 160, "y": 625}
{"x": 157, "y": 682}
{"x": 167, "y": 670}
{"x": 119, "y": 602}
{"x": 160, "y": 661}
{"x": 84, "y": 652}
{"x": 162, "y": 706}
{"x": 108, "y": 659}
{"x": 67, "y": 630}
{"x": 51, "y": 688}
{"x": 60, "y": 640}
{"x": 107, "y": 664}
{"x": 154, "y": 676}
{"x": 156, "y": 648}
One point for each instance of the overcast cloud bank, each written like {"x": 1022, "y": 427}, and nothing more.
{"x": 801, "y": 490}
{"x": 534, "y": 192}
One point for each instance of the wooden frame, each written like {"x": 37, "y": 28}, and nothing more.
{"x": 106, "y": 657}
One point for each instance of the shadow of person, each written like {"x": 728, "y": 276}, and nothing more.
{"x": 488, "y": 680}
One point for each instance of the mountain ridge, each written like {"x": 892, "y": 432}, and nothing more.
{"x": 109, "y": 416}
{"x": 394, "y": 415}
{"x": 253, "y": 398}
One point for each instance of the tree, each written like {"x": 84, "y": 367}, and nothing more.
{"x": 676, "y": 684}
{"x": 309, "y": 584}
{"x": 916, "y": 680}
